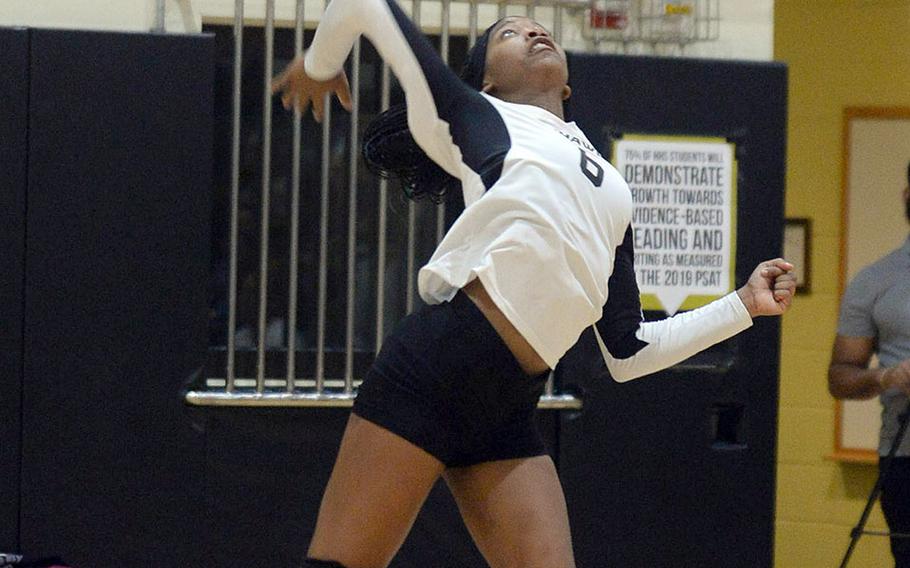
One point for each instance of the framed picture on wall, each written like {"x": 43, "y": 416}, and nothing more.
{"x": 797, "y": 249}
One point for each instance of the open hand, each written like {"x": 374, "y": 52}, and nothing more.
{"x": 298, "y": 88}
{"x": 770, "y": 289}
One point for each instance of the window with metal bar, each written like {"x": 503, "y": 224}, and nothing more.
{"x": 314, "y": 259}
{"x": 392, "y": 236}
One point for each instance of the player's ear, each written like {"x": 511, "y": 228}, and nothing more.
{"x": 566, "y": 92}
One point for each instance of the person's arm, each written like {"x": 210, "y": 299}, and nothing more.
{"x": 451, "y": 122}
{"x": 632, "y": 348}
{"x": 849, "y": 375}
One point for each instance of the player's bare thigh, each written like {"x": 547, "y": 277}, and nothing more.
{"x": 378, "y": 484}
{"x": 516, "y": 512}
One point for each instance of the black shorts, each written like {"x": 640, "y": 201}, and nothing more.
{"x": 445, "y": 381}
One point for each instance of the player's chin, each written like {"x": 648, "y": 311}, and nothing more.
{"x": 547, "y": 58}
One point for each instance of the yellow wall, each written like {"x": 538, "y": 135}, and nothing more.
{"x": 840, "y": 53}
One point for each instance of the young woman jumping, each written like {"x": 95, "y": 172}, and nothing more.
{"x": 542, "y": 251}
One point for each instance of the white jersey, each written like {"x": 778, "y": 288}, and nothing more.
{"x": 543, "y": 237}
{"x": 546, "y": 225}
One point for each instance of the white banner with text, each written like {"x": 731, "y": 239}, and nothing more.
{"x": 684, "y": 220}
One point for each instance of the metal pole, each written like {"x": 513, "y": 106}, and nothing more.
{"x": 444, "y": 54}
{"x": 472, "y": 24}
{"x": 235, "y": 194}
{"x": 295, "y": 215}
{"x": 412, "y": 209}
{"x": 383, "y": 222}
{"x": 266, "y": 183}
{"x": 412, "y": 229}
{"x": 323, "y": 243}
{"x": 160, "y": 13}
{"x": 549, "y": 388}
{"x": 557, "y": 23}
{"x": 352, "y": 221}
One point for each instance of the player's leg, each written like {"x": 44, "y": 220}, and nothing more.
{"x": 376, "y": 489}
{"x": 515, "y": 511}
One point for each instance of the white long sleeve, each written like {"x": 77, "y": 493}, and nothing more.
{"x": 438, "y": 102}
{"x": 677, "y": 338}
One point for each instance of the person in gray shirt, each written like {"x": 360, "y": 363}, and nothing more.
{"x": 875, "y": 319}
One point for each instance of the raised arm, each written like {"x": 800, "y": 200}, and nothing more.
{"x": 451, "y": 122}
{"x": 633, "y": 348}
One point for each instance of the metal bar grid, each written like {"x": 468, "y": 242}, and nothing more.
{"x": 651, "y": 22}
{"x": 333, "y": 399}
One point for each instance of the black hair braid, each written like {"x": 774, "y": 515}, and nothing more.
{"x": 389, "y": 148}
{"x": 391, "y": 152}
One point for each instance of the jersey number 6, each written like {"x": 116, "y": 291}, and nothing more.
{"x": 592, "y": 170}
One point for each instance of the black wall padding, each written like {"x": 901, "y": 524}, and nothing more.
{"x": 13, "y": 151}
{"x": 120, "y": 138}
{"x": 117, "y": 471}
{"x": 646, "y": 484}
{"x": 266, "y": 470}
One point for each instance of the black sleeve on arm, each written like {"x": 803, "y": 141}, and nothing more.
{"x": 634, "y": 348}
{"x": 622, "y": 315}
{"x": 475, "y": 126}
{"x": 450, "y": 121}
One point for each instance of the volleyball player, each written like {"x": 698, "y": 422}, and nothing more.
{"x": 542, "y": 251}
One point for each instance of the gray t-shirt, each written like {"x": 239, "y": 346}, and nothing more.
{"x": 877, "y": 305}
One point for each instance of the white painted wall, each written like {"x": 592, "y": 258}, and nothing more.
{"x": 746, "y": 27}
{"x": 112, "y": 15}
{"x": 746, "y": 32}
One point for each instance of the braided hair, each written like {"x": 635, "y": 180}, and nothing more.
{"x": 389, "y": 148}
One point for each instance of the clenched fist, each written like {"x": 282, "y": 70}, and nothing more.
{"x": 770, "y": 289}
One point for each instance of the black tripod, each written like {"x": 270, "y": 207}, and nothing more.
{"x": 859, "y": 529}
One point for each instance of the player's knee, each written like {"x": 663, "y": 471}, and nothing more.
{"x": 313, "y": 563}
